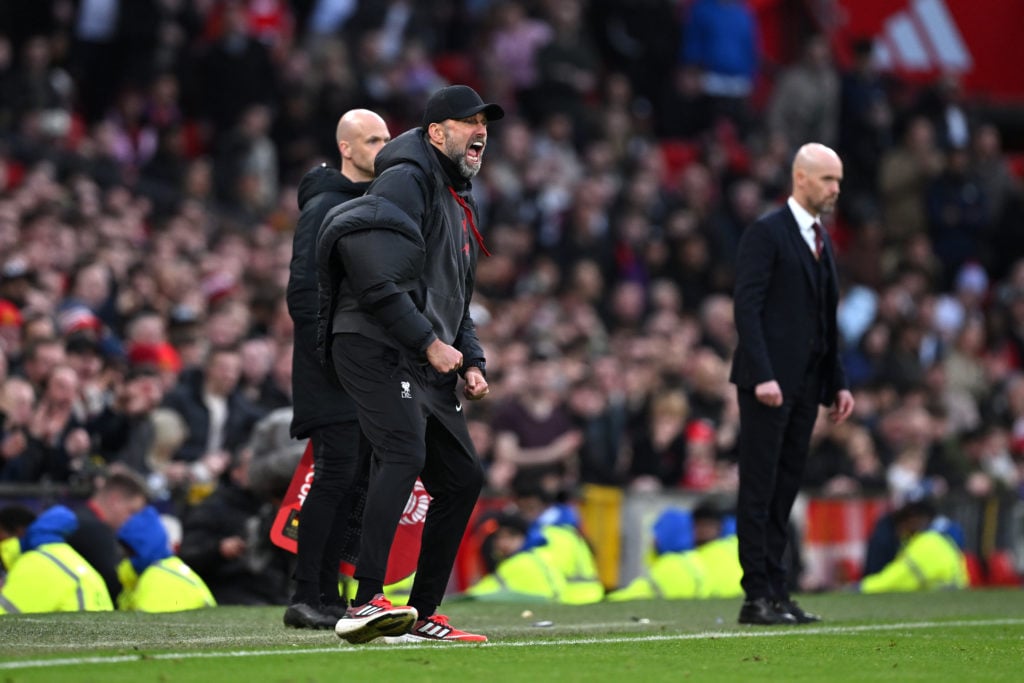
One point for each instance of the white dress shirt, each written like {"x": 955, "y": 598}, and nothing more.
{"x": 805, "y": 221}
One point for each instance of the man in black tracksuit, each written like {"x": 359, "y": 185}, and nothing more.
{"x": 323, "y": 411}
{"x": 397, "y": 268}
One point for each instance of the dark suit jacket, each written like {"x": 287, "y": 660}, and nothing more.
{"x": 775, "y": 308}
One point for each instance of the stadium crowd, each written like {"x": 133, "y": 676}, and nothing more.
{"x": 149, "y": 156}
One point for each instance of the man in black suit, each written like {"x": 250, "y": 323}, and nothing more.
{"x": 786, "y": 363}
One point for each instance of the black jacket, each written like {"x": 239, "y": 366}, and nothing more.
{"x": 401, "y": 261}
{"x": 776, "y": 311}
{"x": 261, "y": 575}
{"x": 317, "y": 399}
{"x": 97, "y": 543}
{"x": 187, "y": 400}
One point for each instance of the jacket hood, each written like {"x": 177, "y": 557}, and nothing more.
{"x": 673, "y": 531}
{"x": 146, "y": 536}
{"x": 410, "y": 146}
{"x": 323, "y": 179}
{"x": 53, "y": 526}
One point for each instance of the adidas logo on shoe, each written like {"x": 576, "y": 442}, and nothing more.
{"x": 436, "y": 629}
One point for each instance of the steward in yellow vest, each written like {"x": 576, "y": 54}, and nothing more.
{"x": 152, "y": 578}
{"x": 680, "y": 571}
{"x": 555, "y": 564}
{"x": 928, "y": 560}
{"x": 45, "y": 574}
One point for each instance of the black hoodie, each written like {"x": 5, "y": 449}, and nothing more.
{"x": 411, "y": 247}
{"x": 318, "y": 400}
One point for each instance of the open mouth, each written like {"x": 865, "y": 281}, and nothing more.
{"x": 475, "y": 151}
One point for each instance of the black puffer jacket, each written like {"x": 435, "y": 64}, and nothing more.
{"x": 401, "y": 261}
{"x": 317, "y": 398}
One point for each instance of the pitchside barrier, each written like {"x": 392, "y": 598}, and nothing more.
{"x": 832, "y": 532}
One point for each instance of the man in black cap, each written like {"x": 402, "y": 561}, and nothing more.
{"x": 396, "y": 269}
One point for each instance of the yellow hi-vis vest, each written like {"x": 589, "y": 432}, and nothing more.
{"x": 53, "y": 578}
{"x": 709, "y": 571}
{"x": 572, "y": 558}
{"x": 527, "y": 575}
{"x": 929, "y": 561}
{"x": 167, "y": 585}
{"x": 562, "y": 570}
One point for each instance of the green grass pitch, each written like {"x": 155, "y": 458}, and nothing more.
{"x": 964, "y": 636}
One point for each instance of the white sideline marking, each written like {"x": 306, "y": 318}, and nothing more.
{"x": 772, "y": 633}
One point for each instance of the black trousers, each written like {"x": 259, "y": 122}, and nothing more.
{"x": 414, "y": 421}
{"x": 331, "y": 513}
{"x": 773, "y": 446}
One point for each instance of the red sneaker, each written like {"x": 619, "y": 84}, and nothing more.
{"x": 436, "y": 629}
{"x": 377, "y": 618}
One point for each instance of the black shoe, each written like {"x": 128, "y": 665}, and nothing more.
{"x": 762, "y": 612}
{"x": 798, "y": 612}
{"x": 334, "y": 609}
{"x": 301, "y": 615}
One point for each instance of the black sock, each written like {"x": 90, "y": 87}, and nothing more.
{"x": 307, "y": 594}
{"x": 423, "y": 610}
{"x": 368, "y": 589}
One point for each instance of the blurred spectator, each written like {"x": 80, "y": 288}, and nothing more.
{"x": 511, "y": 64}
{"x": 567, "y": 65}
{"x": 226, "y": 539}
{"x": 10, "y": 330}
{"x": 124, "y": 431}
{"x": 720, "y": 37}
{"x": 695, "y": 556}
{"x": 601, "y": 452}
{"x": 865, "y": 128}
{"x": 218, "y": 415}
{"x": 39, "y": 357}
{"x": 235, "y": 70}
{"x": 58, "y": 444}
{"x": 928, "y": 558}
{"x": 154, "y": 579}
{"x": 660, "y": 449}
{"x": 118, "y": 494}
{"x": 44, "y": 573}
{"x": 943, "y": 103}
{"x": 17, "y": 401}
{"x": 95, "y": 54}
{"x": 804, "y": 104}
{"x": 553, "y": 563}
{"x": 845, "y": 462}
{"x": 535, "y": 441}
{"x": 908, "y": 436}
{"x": 958, "y": 215}
{"x": 246, "y": 164}
{"x": 683, "y": 112}
{"x": 903, "y": 177}
{"x": 41, "y": 91}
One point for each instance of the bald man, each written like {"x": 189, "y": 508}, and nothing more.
{"x": 324, "y": 413}
{"x": 786, "y": 363}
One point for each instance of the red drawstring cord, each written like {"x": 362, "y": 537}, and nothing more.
{"x": 472, "y": 223}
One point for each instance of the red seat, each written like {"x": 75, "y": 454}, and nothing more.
{"x": 975, "y": 572}
{"x": 1001, "y": 569}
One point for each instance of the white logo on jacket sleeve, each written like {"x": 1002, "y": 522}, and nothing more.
{"x": 406, "y": 390}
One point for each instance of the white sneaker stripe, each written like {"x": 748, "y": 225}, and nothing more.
{"x": 368, "y": 610}
{"x": 434, "y": 630}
